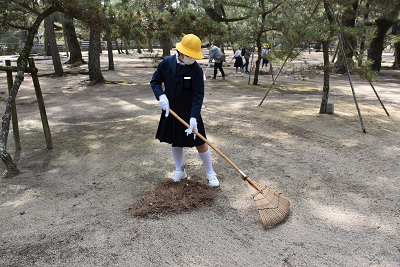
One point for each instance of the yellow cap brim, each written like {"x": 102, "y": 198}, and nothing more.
{"x": 188, "y": 52}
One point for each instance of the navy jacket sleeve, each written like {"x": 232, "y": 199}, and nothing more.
{"x": 158, "y": 79}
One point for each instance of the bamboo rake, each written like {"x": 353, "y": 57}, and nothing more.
{"x": 273, "y": 207}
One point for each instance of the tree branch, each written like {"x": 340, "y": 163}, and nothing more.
{"x": 272, "y": 9}
{"x": 25, "y": 6}
{"x": 214, "y": 15}
{"x": 17, "y": 26}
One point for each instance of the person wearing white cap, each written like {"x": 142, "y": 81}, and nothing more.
{"x": 183, "y": 92}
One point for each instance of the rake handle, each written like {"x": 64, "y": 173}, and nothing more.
{"x": 244, "y": 176}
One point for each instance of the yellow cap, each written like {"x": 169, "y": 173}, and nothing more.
{"x": 190, "y": 46}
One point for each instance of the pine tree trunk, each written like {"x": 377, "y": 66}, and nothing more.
{"x": 11, "y": 167}
{"x": 327, "y": 70}
{"x": 116, "y": 44}
{"x": 53, "y": 46}
{"x": 396, "y": 31}
{"x": 363, "y": 37}
{"x": 258, "y": 60}
{"x": 110, "y": 53}
{"x": 377, "y": 43}
{"x": 396, "y": 64}
{"x": 327, "y": 65}
{"x": 126, "y": 43}
{"x": 73, "y": 44}
{"x": 349, "y": 40}
{"x": 165, "y": 47}
{"x": 95, "y": 74}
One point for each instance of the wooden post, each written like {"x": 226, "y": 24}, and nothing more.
{"x": 14, "y": 117}
{"x": 42, "y": 109}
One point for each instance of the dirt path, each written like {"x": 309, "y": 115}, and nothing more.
{"x": 69, "y": 206}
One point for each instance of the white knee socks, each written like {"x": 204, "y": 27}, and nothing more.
{"x": 206, "y": 158}
{"x": 177, "y": 153}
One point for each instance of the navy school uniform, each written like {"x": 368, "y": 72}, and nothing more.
{"x": 184, "y": 88}
{"x": 238, "y": 62}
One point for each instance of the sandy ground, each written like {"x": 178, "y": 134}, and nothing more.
{"x": 69, "y": 206}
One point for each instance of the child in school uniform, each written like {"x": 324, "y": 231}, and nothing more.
{"x": 183, "y": 92}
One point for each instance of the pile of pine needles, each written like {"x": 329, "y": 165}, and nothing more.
{"x": 174, "y": 197}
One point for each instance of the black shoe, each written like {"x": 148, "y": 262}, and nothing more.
{"x": 212, "y": 78}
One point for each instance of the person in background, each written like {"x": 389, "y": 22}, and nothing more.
{"x": 183, "y": 93}
{"x": 265, "y": 56}
{"x": 216, "y": 53}
{"x": 246, "y": 54}
{"x": 389, "y": 46}
{"x": 238, "y": 61}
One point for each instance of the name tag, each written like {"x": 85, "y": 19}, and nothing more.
{"x": 187, "y": 83}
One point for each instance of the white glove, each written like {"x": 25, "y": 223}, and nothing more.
{"x": 209, "y": 64}
{"x": 164, "y": 104}
{"x": 231, "y": 59}
{"x": 193, "y": 125}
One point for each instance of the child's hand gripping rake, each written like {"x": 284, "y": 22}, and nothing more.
{"x": 273, "y": 207}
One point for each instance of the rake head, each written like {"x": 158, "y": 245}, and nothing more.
{"x": 273, "y": 207}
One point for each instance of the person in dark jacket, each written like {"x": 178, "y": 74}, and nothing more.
{"x": 246, "y": 53}
{"x": 183, "y": 93}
